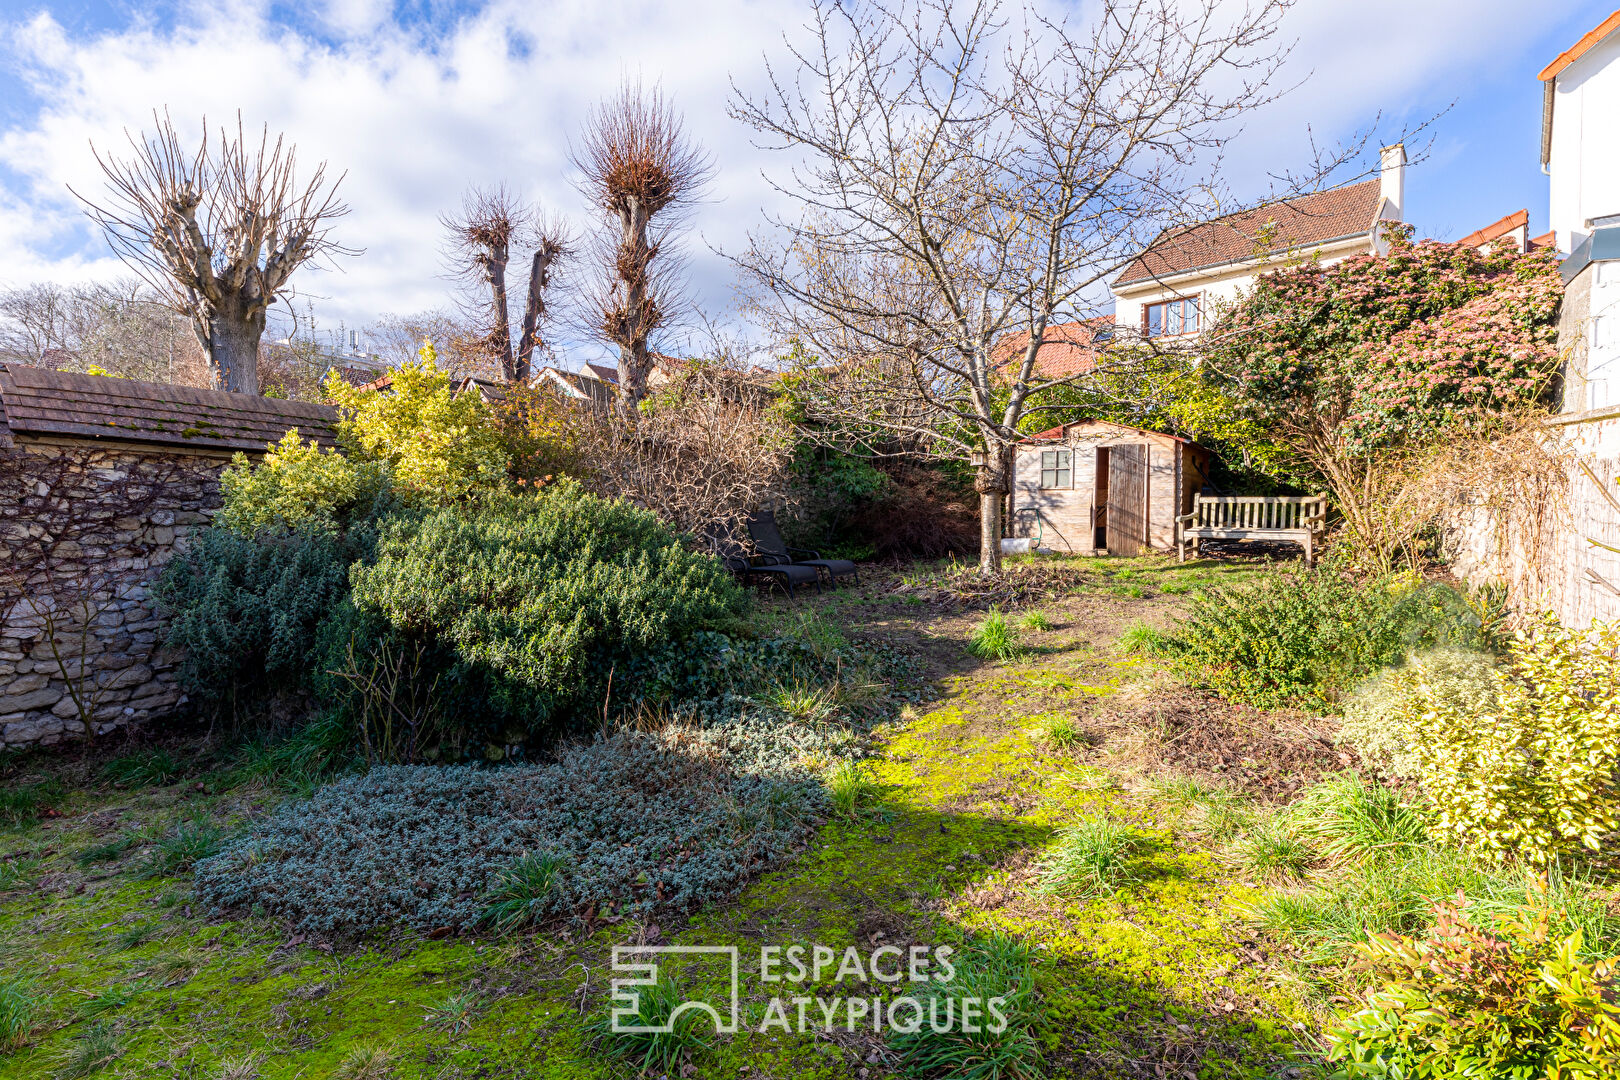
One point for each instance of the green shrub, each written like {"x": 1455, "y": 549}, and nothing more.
{"x": 997, "y": 969}
{"x": 1377, "y": 717}
{"x": 993, "y": 638}
{"x": 437, "y": 446}
{"x": 540, "y": 598}
{"x": 1519, "y": 761}
{"x": 1304, "y": 638}
{"x": 244, "y": 611}
{"x": 1506, "y": 1001}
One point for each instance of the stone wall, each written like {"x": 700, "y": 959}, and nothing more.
{"x": 85, "y": 527}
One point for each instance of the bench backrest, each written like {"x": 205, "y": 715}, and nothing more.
{"x": 1256, "y": 511}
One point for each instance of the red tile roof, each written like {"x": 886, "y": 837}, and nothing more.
{"x": 35, "y": 401}
{"x": 1302, "y": 222}
{"x": 1496, "y": 229}
{"x": 1067, "y": 348}
{"x": 1545, "y": 240}
{"x": 1579, "y": 49}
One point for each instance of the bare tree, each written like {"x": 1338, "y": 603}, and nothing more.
{"x": 968, "y": 179}
{"x": 642, "y": 172}
{"x": 458, "y": 340}
{"x": 118, "y": 327}
{"x": 491, "y": 222}
{"x": 218, "y": 232}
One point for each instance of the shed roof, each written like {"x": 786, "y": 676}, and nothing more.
{"x": 36, "y": 401}
{"x": 1053, "y": 434}
{"x": 1336, "y": 214}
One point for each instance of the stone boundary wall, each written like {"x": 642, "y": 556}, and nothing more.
{"x": 85, "y": 527}
{"x": 1546, "y": 559}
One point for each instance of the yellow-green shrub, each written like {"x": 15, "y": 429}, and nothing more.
{"x": 437, "y": 445}
{"x": 1527, "y": 766}
{"x": 1376, "y": 717}
{"x": 296, "y": 485}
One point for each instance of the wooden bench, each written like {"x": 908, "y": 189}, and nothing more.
{"x": 1298, "y": 518}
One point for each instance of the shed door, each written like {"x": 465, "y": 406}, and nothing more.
{"x": 1127, "y": 498}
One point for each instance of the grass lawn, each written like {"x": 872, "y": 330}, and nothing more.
{"x": 1071, "y": 796}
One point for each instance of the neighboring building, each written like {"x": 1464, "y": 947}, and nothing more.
{"x": 1093, "y": 485}
{"x": 1581, "y": 156}
{"x": 1515, "y": 228}
{"x": 1173, "y": 287}
{"x": 1067, "y": 348}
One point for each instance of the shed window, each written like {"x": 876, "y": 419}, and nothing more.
{"x": 1055, "y": 469}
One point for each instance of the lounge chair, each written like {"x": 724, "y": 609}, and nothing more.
{"x": 769, "y": 544}
{"x": 787, "y": 575}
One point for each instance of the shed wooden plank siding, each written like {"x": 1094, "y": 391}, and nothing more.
{"x": 45, "y": 404}
{"x": 1066, "y": 519}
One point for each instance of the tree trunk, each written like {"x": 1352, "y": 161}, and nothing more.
{"x": 233, "y": 349}
{"x": 991, "y": 484}
{"x": 990, "y": 533}
{"x": 533, "y": 310}
{"x": 500, "y": 328}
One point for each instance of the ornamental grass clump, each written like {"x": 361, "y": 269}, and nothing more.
{"x": 995, "y": 975}
{"x": 1091, "y": 859}
{"x": 993, "y": 638}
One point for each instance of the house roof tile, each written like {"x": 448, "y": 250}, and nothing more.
{"x": 1496, "y": 229}
{"x": 1067, "y": 348}
{"x": 1579, "y": 49}
{"x": 36, "y": 401}
{"x": 1305, "y": 221}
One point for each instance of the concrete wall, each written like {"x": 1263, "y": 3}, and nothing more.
{"x": 85, "y": 527}
{"x": 1542, "y": 551}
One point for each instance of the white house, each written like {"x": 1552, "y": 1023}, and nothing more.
{"x": 1580, "y": 153}
{"x": 1174, "y": 285}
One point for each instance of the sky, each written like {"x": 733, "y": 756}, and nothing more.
{"x": 417, "y": 99}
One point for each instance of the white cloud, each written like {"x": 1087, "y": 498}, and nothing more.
{"x": 414, "y": 116}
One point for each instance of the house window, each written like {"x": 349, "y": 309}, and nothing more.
{"x": 1171, "y": 317}
{"x": 1055, "y": 469}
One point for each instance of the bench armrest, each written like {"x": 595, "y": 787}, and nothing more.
{"x": 1185, "y": 517}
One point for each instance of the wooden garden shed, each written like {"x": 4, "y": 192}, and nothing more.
{"x": 1093, "y": 485}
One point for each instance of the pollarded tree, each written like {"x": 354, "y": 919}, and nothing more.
{"x": 642, "y": 172}
{"x": 491, "y": 222}
{"x": 968, "y": 178}
{"x": 1361, "y": 369}
{"x": 218, "y": 233}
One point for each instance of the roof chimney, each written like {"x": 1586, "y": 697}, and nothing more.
{"x": 1392, "y": 180}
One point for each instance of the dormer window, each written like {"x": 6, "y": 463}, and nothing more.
{"x": 1171, "y": 317}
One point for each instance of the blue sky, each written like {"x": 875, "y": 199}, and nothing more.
{"x": 419, "y": 98}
